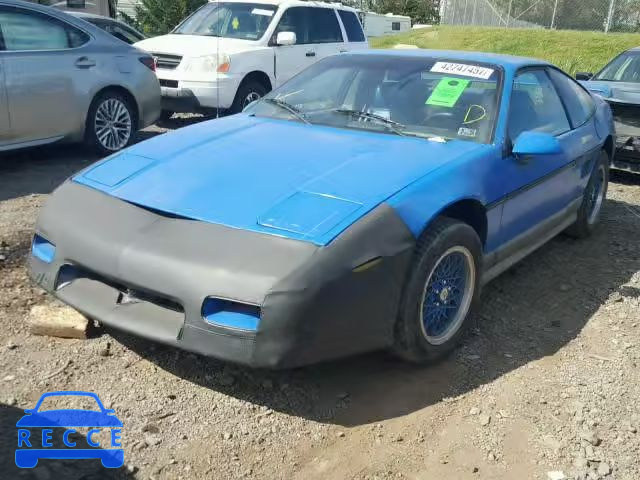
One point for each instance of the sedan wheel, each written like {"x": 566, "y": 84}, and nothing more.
{"x": 111, "y": 122}
{"x": 113, "y": 125}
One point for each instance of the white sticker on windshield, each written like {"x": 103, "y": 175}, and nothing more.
{"x": 467, "y": 132}
{"x": 462, "y": 69}
{"x": 261, "y": 11}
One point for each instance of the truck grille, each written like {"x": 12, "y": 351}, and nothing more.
{"x": 167, "y": 62}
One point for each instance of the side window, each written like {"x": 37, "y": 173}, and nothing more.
{"x": 535, "y": 105}
{"x": 578, "y": 102}
{"x": 324, "y": 26}
{"x": 395, "y": 25}
{"x": 294, "y": 19}
{"x": 26, "y": 30}
{"x": 121, "y": 33}
{"x": 352, "y": 26}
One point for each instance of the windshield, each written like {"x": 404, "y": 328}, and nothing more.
{"x": 416, "y": 96}
{"x": 246, "y": 21}
{"x": 624, "y": 68}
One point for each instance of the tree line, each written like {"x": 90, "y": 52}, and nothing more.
{"x": 158, "y": 17}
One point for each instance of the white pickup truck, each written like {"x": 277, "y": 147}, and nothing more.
{"x": 232, "y": 52}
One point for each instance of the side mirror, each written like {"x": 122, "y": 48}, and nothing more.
{"x": 536, "y": 143}
{"x": 286, "y": 38}
{"x": 584, "y": 76}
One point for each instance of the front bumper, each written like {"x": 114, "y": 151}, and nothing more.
{"x": 193, "y": 96}
{"x": 313, "y": 305}
{"x": 627, "y": 155}
{"x": 627, "y": 126}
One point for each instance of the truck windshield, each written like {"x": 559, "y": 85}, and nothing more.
{"x": 247, "y": 21}
{"x": 410, "y": 96}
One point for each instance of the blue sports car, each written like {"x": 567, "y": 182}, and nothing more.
{"x": 361, "y": 206}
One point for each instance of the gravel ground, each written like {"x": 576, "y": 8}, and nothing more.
{"x": 546, "y": 386}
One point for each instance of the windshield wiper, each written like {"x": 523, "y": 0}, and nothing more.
{"x": 395, "y": 127}
{"x": 288, "y": 107}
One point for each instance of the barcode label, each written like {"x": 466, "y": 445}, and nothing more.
{"x": 463, "y": 69}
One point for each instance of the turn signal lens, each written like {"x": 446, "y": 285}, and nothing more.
{"x": 224, "y": 67}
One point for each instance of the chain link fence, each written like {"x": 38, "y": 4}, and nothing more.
{"x": 602, "y": 15}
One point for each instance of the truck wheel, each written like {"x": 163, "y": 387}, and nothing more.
{"x": 441, "y": 293}
{"x": 247, "y": 92}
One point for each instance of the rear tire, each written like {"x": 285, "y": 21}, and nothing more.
{"x": 442, "y": 292}
{"x": 247, "y": 92}
{"x": 593, "y": 199}
{"x": 111, "y": 123}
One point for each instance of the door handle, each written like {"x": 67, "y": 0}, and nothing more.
{"x": 85, "y": 62}
{"x": 344, "y": 51}
{"x": 310, "y": 54}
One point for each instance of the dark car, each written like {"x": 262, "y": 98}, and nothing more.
{"x": 118, "y": 29}
{"x": 619, "y": 84}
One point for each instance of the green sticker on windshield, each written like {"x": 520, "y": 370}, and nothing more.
{"x": 447, "y": 92}
{"x": 235, "y": 23}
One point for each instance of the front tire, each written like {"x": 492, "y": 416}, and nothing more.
{"x": 111, "y": 123}
{"x": 247, "y": 92}
{"x": 442, "y": 292}
{"x": 593, "y": 199}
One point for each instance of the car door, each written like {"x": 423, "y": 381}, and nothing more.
{"x": 291, "y": 59}
{"x": 325, "y": 34}
{"x": 41, "y": 58}
{"x": 5, "y": 130}
{"x": 353, "y": 30}
{"x": 539, "y": 189}
{"x": 584, "y": 140}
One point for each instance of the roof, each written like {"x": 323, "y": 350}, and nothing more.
{"x": 507, "y": 61}
{"x": 87, "y": 15}
{"x": 306, "y": 3}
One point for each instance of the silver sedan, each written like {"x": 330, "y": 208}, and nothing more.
{"x": 63, "y": 79}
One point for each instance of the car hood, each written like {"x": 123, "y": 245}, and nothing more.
{"x": 623, "y": 92}
{"x": 195, "y": 45}
{"x": 69, "y": 418}
{"x": 285, "y": 178}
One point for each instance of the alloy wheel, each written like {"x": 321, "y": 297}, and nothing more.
{"x": 113, "y": 125}
{"x": 447, "y": 295}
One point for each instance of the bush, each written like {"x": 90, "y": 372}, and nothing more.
{"x": 159, "y": 17}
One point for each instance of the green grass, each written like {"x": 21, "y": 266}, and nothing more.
{"x": 570, "y": 50}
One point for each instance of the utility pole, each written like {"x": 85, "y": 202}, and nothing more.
{"x": 609, "y": 16}
{"x": 553, "y": 18}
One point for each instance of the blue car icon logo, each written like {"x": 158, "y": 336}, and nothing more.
{"x": 36, "y": 432}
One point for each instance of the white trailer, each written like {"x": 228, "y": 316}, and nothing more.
{"x": 377, "y": 25}
{"x": 106, "y": 8}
